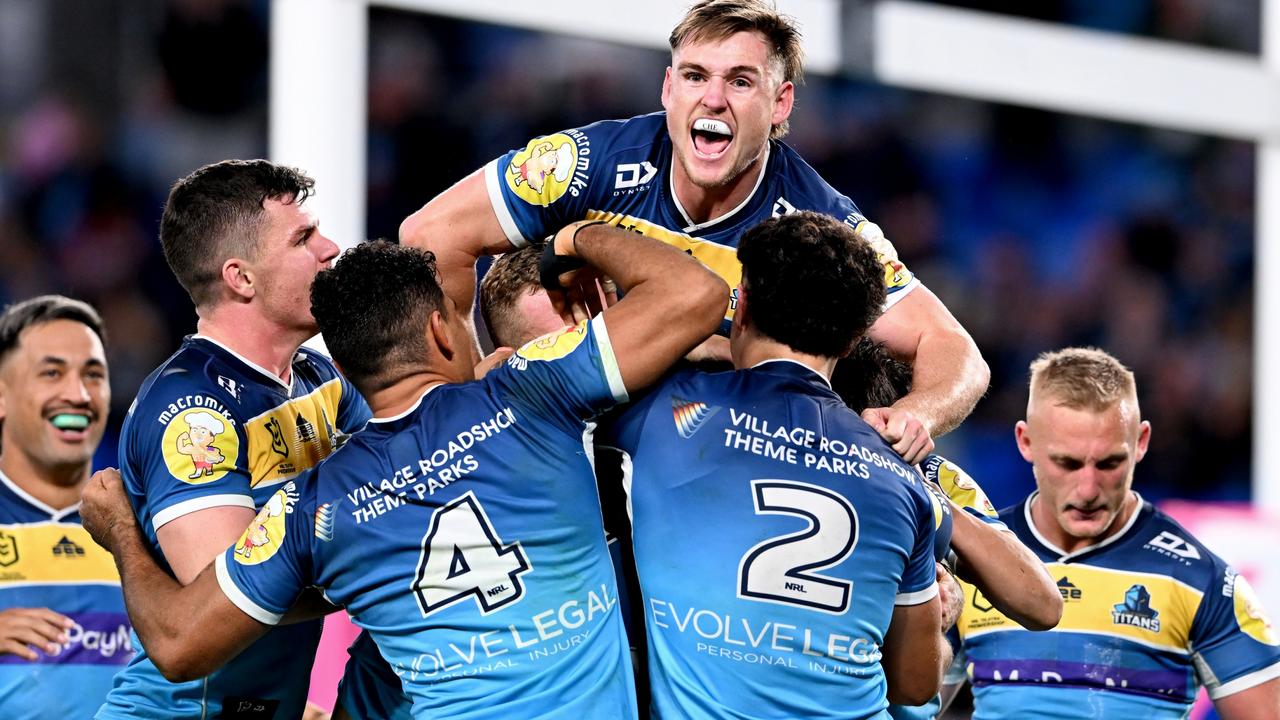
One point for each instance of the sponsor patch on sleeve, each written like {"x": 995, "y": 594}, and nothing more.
{"x": 263, "y": 537}
{"x": 554, "y": 346}
{"x": 541, "y": 173}
{"x": 1250, "y": 616}
{"x": 200, "y": 445}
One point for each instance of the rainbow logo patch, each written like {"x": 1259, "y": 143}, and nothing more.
{"x": 690, "y": 415}
{"x": 324, "y": 522}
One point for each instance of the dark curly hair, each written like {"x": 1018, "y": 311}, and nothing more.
{"x": 216, "y": 212}
{"x": 811, "y": 283}
{"x": 373, "y": 307}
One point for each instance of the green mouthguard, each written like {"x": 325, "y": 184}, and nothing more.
{"x": 68, "y": 421}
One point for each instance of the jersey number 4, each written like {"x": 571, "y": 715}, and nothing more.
{"x": 780, "y": 569}
{"x": 463, "y": 557}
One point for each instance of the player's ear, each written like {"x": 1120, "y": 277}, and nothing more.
{"x": 1021, "y": 433}
{"x": 238, "y": 278}
{"x": 666, "y": 89}
{"x": 438, "y": 336}
{"x": 783, "y": 102}
{"x": 1144, "y": 438}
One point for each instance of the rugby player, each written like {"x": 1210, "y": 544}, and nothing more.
{"x": 784, "y": 551}
{"x": 237, "y": 411}
{"x": 62, "y": 618}
{"x": 461, "y": 528}
{"x": 696, "y": 177}
{"x": 1151, "y": 614}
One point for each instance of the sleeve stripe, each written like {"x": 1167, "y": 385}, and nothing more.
{"x": 237, "y": 596}
{"x": 493, "y": 183}
{"x": 610, "y": 361}
{"x": 917, "y": 597}
{"x": 186, "y": 507}
{"x": 892, "y": 298}
{"x": 1245, "y": 682}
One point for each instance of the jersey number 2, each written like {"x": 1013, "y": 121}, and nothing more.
{"x": 463, "y": 557}
{"x": 780, "y": 568}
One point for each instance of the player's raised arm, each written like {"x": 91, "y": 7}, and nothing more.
{"x": 948, "y": 374}
{"x": 189, "y": 631}
{"x": 458, "y": 225}
{"x": 672, "y": 301}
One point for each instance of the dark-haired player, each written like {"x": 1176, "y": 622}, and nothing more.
{"x": 698, "y": 176}
{"x": 62, "y": 620}
{"x": 461, "y": 527}
{"x": 785, "y": 552}
{"x": 236, "y": 412}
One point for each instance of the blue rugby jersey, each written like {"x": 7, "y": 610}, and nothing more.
{"x": 209, "y": 429}
{"x": 465, "y": 535}
{"x": 774, "y": 534}
{"x": 1149, "y": 615}
{"x": 619, "y": 171}
{"x": 47, "y": 560}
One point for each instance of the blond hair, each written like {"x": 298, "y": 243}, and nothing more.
{"x": 721, "y": 19}
{"x": 1082, "y": 378}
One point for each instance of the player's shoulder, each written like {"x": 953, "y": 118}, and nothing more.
{"x": 1164, "y": 543}
{"x": 194, "y": 377}
{"x": 799, "y": 185}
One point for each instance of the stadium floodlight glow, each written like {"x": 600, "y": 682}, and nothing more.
{"x": 318, "y": 104}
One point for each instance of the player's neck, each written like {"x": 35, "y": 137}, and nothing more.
{"x": 753, "y": 349}
{"x": 254, "y": 338}
{"x": 704, "y": 204}
{"x": 400, "y": 396}
{"x": 59, "y": 487}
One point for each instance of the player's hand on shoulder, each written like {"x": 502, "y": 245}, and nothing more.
{"x": 905, "y": 432}
{"x": 713, "y": 349}
{"x": 24, "y": 628}
{"x": 104, "y": 508}
{"x": 493, "y": 360}
{"x": 950, "y": 595}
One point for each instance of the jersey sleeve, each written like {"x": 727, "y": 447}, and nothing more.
{"x": 566, "y": 376}
{"x": 184, "y": 451}
{"x": 1233, "y": 643}
{"x": 540, "y": 187}
{"x": 919, "y": 580}
{"x": 270, "y": 564}
{"x": 962, "y": 489}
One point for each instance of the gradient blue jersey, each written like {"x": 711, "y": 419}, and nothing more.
{"x": 1149, "y": 615}
{"x": 47, "y": 560}
{"x": 619, "y": 171}
{"x": 774, "y": 534}
{"x": 211, "y": 429}
{"x": 465, "y": 536}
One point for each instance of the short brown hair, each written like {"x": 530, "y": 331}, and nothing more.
{"x": 721, "y": 19}
{"x": 1082, "y": 378}
{"x": 216, "y": 212}
{"x": 512, "y": 276}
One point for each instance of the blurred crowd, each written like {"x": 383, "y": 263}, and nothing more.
{"x": 1038, "y": 230}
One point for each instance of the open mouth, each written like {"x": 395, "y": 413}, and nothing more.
{"x": 711, "y": 138}
{"x": 71, "y": 425}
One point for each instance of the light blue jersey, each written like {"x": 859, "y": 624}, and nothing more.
{"x": 465, "y": 536}
{"x": 774, "y": 534}
{"x": 211, "y": 429}
{"x": 47, "y": 560}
